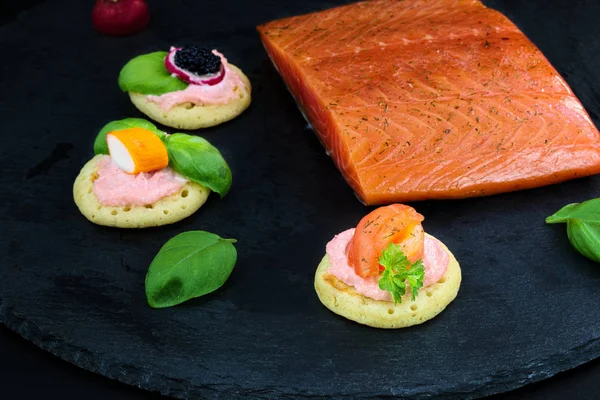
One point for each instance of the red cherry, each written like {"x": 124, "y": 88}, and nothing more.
{"x": 120, "y": 17}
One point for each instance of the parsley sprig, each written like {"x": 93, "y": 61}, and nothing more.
{"x": 399, "y": 272}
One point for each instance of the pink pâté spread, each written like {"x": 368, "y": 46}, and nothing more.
{"x": 221, "y": 93}
{"x": 114, "y": 187}
{"x": 435, "y": 261}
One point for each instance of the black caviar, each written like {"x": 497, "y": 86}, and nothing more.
{"x": 196, "y": 59}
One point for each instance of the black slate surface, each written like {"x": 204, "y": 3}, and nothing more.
{"x": 29, "y": 372}
{"x": 526, "y": 309}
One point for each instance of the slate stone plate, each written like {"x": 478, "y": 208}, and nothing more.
{"x": 527, "y": 308}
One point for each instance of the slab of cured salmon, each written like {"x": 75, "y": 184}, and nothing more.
{"x": 432, "y": 99}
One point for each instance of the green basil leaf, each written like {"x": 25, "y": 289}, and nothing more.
{"x": 147, "y": 74}
{"x": 100, "y": 146}
{"x": 583, "y": 226}
{"x": 585, "y": 237}
{"x": 189, "y": 265}
{"x": 199, "y": 161}
{"x": 588, "y": 211}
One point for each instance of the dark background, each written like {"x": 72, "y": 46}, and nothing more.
{"x": 33, "y": 373}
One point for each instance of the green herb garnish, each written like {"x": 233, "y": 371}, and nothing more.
{"x": 399, "y": 272}
{"x": 189, "y": 265}
{"x": 583, "y": 226}
{"x": 147, "y": 74}
{"x": 199, "y": 161}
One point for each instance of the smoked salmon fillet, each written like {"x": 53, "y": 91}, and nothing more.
{"x": 432, "y": 99}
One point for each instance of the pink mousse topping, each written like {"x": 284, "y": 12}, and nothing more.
{"x": 221, "y": 93}
{"x": 114, "y": 187}
{"x": 435, "y": 261}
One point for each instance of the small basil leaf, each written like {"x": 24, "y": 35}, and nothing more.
{"x": 585, "y": 237}
{"x": 189, "y": 265}
{"x": 147, "y": 74}
{"x": 100, "y": 146}
{"x": 588, "y": 211}
{"x": 199, "y": 161}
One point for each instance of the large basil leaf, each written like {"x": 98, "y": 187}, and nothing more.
{"x": 100, "y": 146}
{"x": 583, "y": 226}
{"x": 199, "y": 161}
{"x": 189, "y": 265}
{"x": 147, "y": 74}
